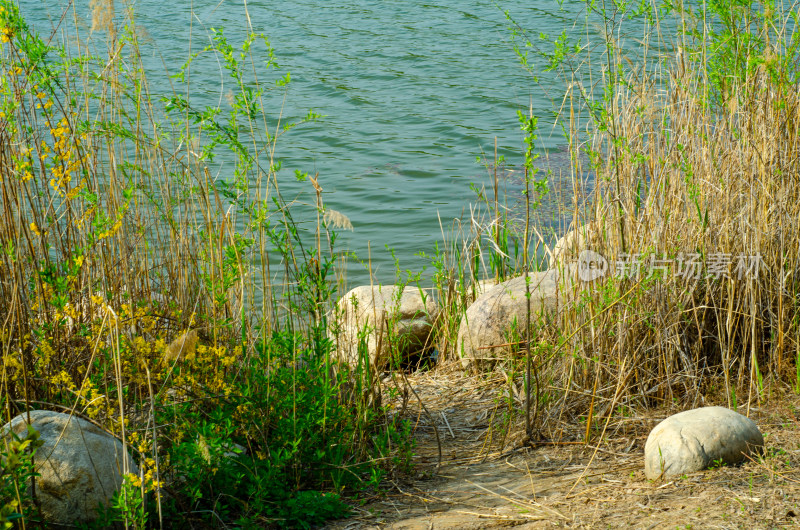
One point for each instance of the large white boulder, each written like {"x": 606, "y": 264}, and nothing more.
{"x": 481, "y": 286}
{"x": 568, "y": 247}
{"x": 80, "y": 465}
{"x": 396, "y": 321}
{"x": 501, "y": 311}
{"x": 696, "y": 439}
{"x": 577, "y": 240}
{"x": 598, "y": 236}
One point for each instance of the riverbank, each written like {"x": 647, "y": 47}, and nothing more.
{"x": 189, "y": 320}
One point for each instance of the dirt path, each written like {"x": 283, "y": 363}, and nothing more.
{"x": 571, "y": 485}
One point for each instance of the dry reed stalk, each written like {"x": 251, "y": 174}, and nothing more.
{"x": 103, "y": 16}
{"x": 723, "y": 184}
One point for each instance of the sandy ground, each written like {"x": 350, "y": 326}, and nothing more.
{"x": 572, "y": 484}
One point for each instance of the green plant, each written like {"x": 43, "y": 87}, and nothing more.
{"x": 138, "y": 271}
{"x": 797, "y": 373}
{"x": 309, "y": 509}
{"x": 394, "y": 447}
{"x": 129, "y": 502}
{"x": 16, "y": 472}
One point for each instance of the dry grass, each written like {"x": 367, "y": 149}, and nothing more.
{"x": 702, "y": 191}
{"x": 701, "y": 187}
{"x": 477, "y": 481}
{"x": 690, "y": 180}
{"x": 102, "y": 15}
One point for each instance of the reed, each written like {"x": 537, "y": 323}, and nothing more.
{"x": 102, "y": 16}
{"x": 694, "y": 141}
{"x": 139, "y": 288}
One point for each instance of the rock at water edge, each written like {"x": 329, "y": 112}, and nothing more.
{"x": 488, "y": 323}
{"x": 396, "y": 321}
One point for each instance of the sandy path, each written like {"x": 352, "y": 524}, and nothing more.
{"x": 571, "y": 485}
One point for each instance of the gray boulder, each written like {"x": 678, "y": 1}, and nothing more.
{"x": 396, "y": 322}
{"x": 81, "y": 465}
{"x": 568, "y": 247}
{"x": 571, "y": 244}
{"x": 489, "y": 323}
{"x": 481, "y": 286}
{"x": 593, "y": 236}
{"x": 696, "y": 439}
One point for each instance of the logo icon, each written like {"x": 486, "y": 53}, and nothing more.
{"x": 591, "y": 266}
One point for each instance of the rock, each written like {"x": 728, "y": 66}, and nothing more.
{"x": 398, "y": 319}
{"x": 481, "y": 286}
{"x": 589, "y": 237}
{"x": 490, "y": 319}
{"x": 568, "y": 248}
{"x": 80, "y": 465}
{"x": 696, "y": 439}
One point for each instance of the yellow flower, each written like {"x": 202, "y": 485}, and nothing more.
{"x": 134, "y": 480}
{"x": 63, "y": 378}
{"x": 35, "y": 229}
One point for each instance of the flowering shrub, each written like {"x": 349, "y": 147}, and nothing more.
{"x": 125, "y": 281}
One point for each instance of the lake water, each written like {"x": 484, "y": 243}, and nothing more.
{"x": 413, "y": 92}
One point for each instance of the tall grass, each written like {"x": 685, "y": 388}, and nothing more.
{"x": 693, "y": 136}
{"x": 682, "y": 124}
{"x": 183, "y": 310}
